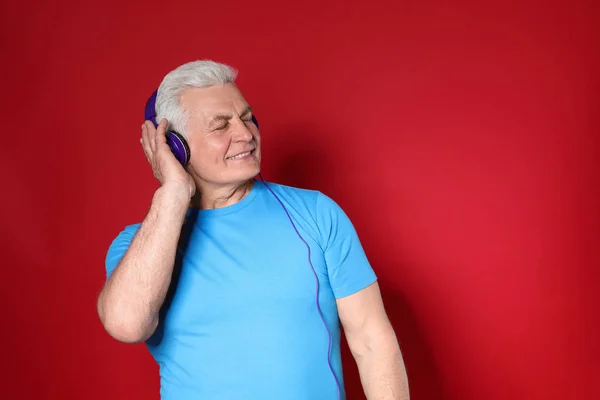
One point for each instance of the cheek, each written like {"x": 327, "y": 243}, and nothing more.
{"x": 210, "y": 151}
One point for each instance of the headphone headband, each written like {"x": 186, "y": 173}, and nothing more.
{"x": 150, "y": 110}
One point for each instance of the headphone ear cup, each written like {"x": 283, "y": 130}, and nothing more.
{"x": 176, "y": 142}
{"x": 179, "y": 147}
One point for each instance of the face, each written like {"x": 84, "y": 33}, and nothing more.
{"x": 224, "y": 142}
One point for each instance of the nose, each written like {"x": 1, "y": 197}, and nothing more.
{"x": 242, "y": 132}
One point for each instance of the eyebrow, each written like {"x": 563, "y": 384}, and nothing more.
{"x": 227, "y": 117}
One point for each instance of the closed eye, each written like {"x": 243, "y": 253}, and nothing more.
{"x": 246, "y": 115}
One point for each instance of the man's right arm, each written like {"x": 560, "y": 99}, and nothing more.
{"x": 130, "y": 301}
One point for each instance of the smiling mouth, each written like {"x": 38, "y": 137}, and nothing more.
{"x": 241, "y": 155}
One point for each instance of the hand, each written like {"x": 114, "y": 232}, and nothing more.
{"x": 166, "y": 168}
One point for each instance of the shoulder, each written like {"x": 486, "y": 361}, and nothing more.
{"x": 290, "y": 192}
{"x": 128, "y": 232}
{"x": 314, "y": 200}
{"x": 122, "y": 239}
{"x": 118, "y": 247}
{"x": 316, "y": 208}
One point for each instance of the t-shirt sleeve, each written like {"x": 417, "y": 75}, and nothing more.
{"x": 119, "y": 247}
{"x": 347, "y": 264}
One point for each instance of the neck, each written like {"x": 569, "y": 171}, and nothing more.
{"x": 207, "y": 197}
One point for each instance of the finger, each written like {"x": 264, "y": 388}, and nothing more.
{"x": 161, "y": 134}
{"x": 151, "y": 136}
{"x": 144, "y": 150}
{"x": 146, "y": 141}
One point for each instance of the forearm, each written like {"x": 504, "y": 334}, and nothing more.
{"x": 382, "y": 371}
{"x": 133, "y": 295}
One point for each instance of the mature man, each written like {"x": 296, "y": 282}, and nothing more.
{"x": 236, "y": 285}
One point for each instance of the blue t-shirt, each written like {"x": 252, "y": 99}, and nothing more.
{"x": 242, "y": 321}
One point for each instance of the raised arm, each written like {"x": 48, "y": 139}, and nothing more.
{"x": 130, "y": 301}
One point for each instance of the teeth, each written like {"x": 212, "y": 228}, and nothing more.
{"x": 240, "y": 155}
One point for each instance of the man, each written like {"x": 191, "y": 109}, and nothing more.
{"x": 220, "y": 279}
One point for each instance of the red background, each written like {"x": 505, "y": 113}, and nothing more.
{"x": 461, "y": 138}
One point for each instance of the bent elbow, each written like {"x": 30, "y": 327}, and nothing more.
{"x": 125, "y": 332}
{"x": 122, "y": 327}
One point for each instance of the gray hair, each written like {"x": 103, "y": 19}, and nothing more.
{"x": 195, "y": 74}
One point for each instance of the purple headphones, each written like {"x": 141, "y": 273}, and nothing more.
{"x": 176, "y": 141}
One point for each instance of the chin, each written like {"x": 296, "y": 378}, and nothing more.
{"x": 243, "y": 175}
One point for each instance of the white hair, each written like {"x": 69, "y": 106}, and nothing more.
{"x": 195, "y": 74}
